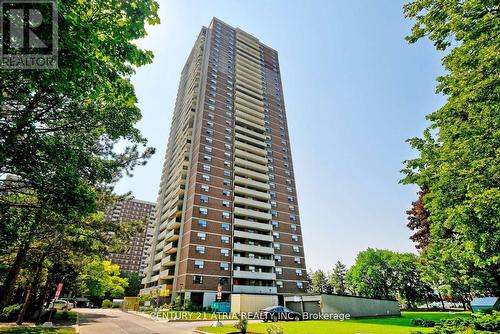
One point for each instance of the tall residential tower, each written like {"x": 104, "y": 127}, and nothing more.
{"x": 227, "y": 207}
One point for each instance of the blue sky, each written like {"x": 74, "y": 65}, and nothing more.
{"x": 354, "y": 91}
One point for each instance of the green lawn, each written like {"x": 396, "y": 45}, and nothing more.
{"x": 36, "y": 330}
{"x": 399, "y": 325}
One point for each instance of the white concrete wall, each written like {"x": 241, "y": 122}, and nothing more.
{"x": 251, "y": 303}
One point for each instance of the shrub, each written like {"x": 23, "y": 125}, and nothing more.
{"x": 429, "y": 323}
{"x": 10, "y": 312}
{"x": 275, "y": 329}
{"x": 116, "y": 305}
{"x": 176, "y": 303}
{"x": 188, "y": 305}
{"x": 477, "y": 324}
{"x": 64, "y": 315}
{"x": 417, "y": 322}
{"x": 106, "y": 303}
{"x": 242, "y": 323}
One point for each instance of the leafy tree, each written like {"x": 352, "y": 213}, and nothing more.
{"x": 418, "y": 221}
{"x": 459, "y": 160}
{"x": 319, "y": 282}
{"x": 372, "y": 276}
{"x": 101, "y": 277}
{"x": 337, "y": 279}
{"x": 59, "y": 128}
{"x": 134, "y": 283}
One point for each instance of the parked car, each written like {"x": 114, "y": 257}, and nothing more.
{"x": 275, "y": 313}
{"x": 60, "y": 304}
{"x": 71, "y": 302}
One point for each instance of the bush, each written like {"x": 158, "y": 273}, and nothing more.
{"x": 106, "y": 303}
{"x": 477, "y": 324}
{"x": 242, "y": 323}
{"x": 116, "y": 305}
{"x": 176, "y": 303}
{"x": 275, "y": 329}
{"x": 64, "y": 315}
{"x": 9, "y": 313}
{"x": 417, "y": 322}
{"x": 188, "y": 305}
{"x": 429, "y": 323}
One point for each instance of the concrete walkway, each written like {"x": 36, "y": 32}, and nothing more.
{"x": 112, "y": 321}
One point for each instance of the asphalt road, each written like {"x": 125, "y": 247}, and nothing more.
{"x": 112, "y": 321}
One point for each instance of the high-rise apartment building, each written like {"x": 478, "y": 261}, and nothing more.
{"x": 134, "y": 260}
{"x": 227, "y": 207}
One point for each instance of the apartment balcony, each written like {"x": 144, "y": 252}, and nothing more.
{"x": 240, "y": 52}
{"x": 248, "y": 82}
{"x": 250, "y": 261}
{"x": 238, "y": 180}
{"x": 251, "y": 213}
{"x": 241, "y": 115}
{"x": 253, "y": 236}
{"x": 252, "y": 248}
{"x": 248, "y": 99}
{"x": 154, "y": 278}
{"x": 248, "y": 87}
{"x": 252, "y": 50}
{"x": 173, "y": 224}
{"x": 158, "y": 256}
{"x": 252, "y": 225}
{"x": 163, "y": 225}
{"x": 250, "y": 132}
{"x": 250, "y": 75}
{"x": 251, "y": 174}
{"x": 243, "y": 201}
{"x": 250, "y": 156}
{"x": 160, "y": 245}
{"x": 168, "y": 261}
{"x": 161, "y": 236}
{"x": 250, "y": 124}
{"x": 175, "y": 212}
{"x": 172, "y": 236}
{"x": 144, "y": 280}
{"x": 170, "y": 248}
{"x": 250, "y": 165}
{"x": 250, "y": 148}
{"x": 254, "y": 289}
{"x": 157, "y": 267}
{"x": 253, "y": 275}
{"x": 244, "y": 138}
{"x": 167, "y": 274}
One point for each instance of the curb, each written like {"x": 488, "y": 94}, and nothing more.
{"x": 77, "y": 326}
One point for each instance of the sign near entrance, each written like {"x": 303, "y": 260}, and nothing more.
{"x": 58, "y": 290}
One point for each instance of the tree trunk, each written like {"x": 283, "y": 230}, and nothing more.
{"x": 31, "y": 290}
{"x": 441, "y": 300}
{"x": 11, "y": 278}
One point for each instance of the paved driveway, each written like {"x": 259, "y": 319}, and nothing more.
{"x": 112, "y": 321}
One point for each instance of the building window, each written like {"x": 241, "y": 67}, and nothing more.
{"x": 224, "y": 239}
{"x": 273, "y": 194}
{"x": 224, "y": 266}
{"x": 202, "y": 223}
{"x": 224, "y": 252}
{"x": 204, "y": 199}
{"x": 227, "y": 182}
{"x": 296, "y": 249}
{"x": 274, "y": 213}
{"x": 298, "y": 272}
{"x": 275, "y": 224}
{"x": 208, "y": 149}
{"x": 226, "y": 192}
{"x": 296, "y": 260}
{"x": 206, "y": 177}
{"x": 202, "y": 236}
{"x": 292, "y": 218}
{"x": 205, "y": 188}
{"x": 206, "y": 168}
{"x": 277, "y": 246}
{"x": 277, "y": 258}
{"x": 197, "y": 279}
{"x": 207, "y": 158}
{"x": 226, "y": 204}
{"x": 293, "y": 227}
{"x": 204, "y": 211}
{"x": 276, "y": 235}
{"x": 279, "y": 270}
{"x": 227, "y": 173}
{"x": 199, "y": 264}
{"x": 227, "y": 163}
{"x": 295, "y": 237}
{"x": 200, "y": 249}
{"x": 225, "y": 227}
{"x": 300, "y": 285}
{"x": 274, "y": 204}
{"x": 290, "y": 198}
{"x": 225, "y": 214}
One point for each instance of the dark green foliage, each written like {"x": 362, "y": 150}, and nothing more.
{"x": 459, "y": 159}
{"x": 106, "y": 303}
